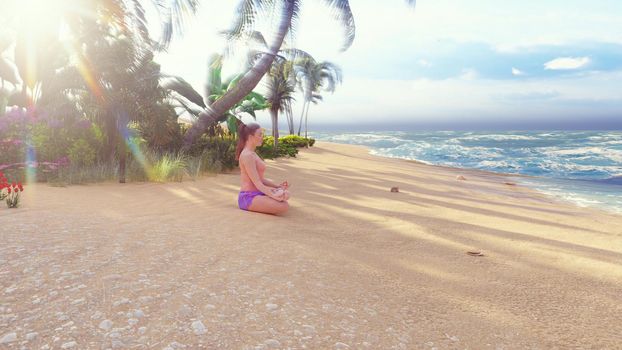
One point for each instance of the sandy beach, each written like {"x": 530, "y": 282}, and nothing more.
{"x": 350, "y": 266}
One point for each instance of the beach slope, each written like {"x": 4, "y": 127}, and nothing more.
{"x": 351, "y": 265}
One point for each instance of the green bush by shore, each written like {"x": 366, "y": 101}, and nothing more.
{"x": 83, "y": 161}
{"x": 287, "y": 146}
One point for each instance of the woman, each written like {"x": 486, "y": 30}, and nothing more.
{"x": 257, "y": 193}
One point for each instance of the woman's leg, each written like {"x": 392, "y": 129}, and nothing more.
{"x": 267, "y": 205}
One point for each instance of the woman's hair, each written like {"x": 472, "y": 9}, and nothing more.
{"x": 244, "y": 131}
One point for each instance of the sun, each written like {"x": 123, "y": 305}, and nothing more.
{"x": 39, "y": 19}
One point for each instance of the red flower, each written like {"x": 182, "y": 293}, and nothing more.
{"x": 21, "y": 188}
{"x": 9, "y": 189}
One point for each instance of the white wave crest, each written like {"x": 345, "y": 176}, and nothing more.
{"x": 499, "y": 164}
{"x": 612, "y": 154}
{"x": 498, "y": 137}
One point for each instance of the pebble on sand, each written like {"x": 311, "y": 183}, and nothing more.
{"x": 8, "y": 338}
{"x": 198, "y": 327}
{"x": 105, "y": 324}
{"x": 272, "y": 343}
{"x": 69, "y": 345}
{"x": 271, "y": 307}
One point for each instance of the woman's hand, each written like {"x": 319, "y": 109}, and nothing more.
{"x": 277, "y": 194}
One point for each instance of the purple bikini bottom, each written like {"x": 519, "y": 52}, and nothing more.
{"x": 245, "y": 198}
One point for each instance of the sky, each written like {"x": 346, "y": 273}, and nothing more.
{"x": 446, "y": 64}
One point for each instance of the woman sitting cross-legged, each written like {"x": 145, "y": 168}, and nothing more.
{"x": 257, "y": 193}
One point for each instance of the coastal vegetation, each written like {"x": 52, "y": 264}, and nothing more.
{"x": 82, "y": 98}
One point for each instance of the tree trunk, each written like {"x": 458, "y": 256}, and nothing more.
{"x": 274, "y": 114}
{"x": 122, "y": 162}
{"x": 111, "y": 132}
{"x": 122, "y": 120}
{"x": 302, "y": 114}
{"x": 290, "y": 120}
{"x": 245, "y": 85}
{"x": 307, "y": 125}
{"x": 292, "y": 129}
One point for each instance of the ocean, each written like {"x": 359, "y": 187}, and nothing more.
{"x": 583, "y": 167}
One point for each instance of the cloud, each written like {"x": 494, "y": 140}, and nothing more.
{"x": 522, "y": 97}
{"x": 424, "y": 63}
{"x": 567, "y": 63}
{"x": 533, "y": 99}
{"x": 517, "y": 72}
{"x": 469, "y": 74}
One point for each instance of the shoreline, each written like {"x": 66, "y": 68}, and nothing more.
{"x": 351, "y": 265}
{"x": 604, "y": 207}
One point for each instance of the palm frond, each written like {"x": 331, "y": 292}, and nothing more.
{"x": 244, "y": 22}
{"x": 295, "y": 20}
{"x": 214, "y": 80}
{"x": 139, "y": 20}
{"x": 8, "y": 71}
{"x": 183, "y": 88}
{"x": 194, "y": 112}
{"x": 297, "y": 55}
{"x": 5, "y": 42}
{"x": 173, "y": 14}
{"x": 343, "y": 14}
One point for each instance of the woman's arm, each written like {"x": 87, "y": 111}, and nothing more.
{"x": 248, "y": 161}
{"x": 270, "y": 183}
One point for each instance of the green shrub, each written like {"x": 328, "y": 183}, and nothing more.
{"x": 266, "y": 150}
{"x": 81, "y": 153}
{"x": 296, "y": 141}
{"x": 167, "y": 167}
{"x": 215, "y": 152}
{"x": 75, "y": 175}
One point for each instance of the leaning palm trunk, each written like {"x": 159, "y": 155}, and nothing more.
{"x": 248, "y": 82}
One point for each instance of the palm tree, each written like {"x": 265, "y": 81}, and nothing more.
{"x": 8, "y": 73}
{"x": 109, "y": 35}
{"x": 314, "y": 77}
{"x": 191, "y": 102}
{"x": 281, "y": 86}
{"x": 289, "y": 12}
{"x": 280, "y": 81}
{"x": 126, "y": 88}
{"x": 8, "y": 70}
{"x": 38, "y": 51}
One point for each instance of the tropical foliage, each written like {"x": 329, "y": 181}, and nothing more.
{"x": 87, "y": 101}
{"x": 281, "y": 86}
{"x": 192, "y": 103}
{"x": 314, "y": 77}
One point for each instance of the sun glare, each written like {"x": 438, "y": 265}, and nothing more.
{"x": 40, "y": 17}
